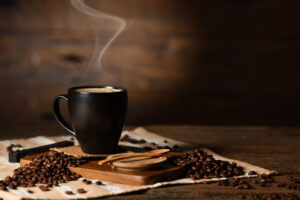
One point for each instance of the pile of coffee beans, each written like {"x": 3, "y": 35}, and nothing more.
{"x": 49, "y": 169}
{"x": 202, "y": 165}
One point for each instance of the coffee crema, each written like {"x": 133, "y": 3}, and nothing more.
{"x": 98, "y": 90}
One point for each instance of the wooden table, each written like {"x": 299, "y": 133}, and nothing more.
{"x": 276, "y": 148}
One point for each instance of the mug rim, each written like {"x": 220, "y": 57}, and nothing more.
{"x": 73, "y": 89}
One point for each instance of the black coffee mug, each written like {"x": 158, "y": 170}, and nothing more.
{"x": 97, "y": 117}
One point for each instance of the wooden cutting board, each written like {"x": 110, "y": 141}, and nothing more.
{"x": 104, "y": 172}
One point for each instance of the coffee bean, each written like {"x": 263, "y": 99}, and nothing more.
{"x": 98, "y": 183}
{"x": 165, "y": 141}
{"x": 81, "y": 191}
{"x": 44, "y": 188}
{"x": 252, "y": 173}
{"x": 69, "y": 192}
{"x": 29, "y": 191}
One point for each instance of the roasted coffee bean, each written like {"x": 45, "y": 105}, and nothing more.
{"x": 252, "y": 173}
{"x": 81, "y": 191}
{"x": 49, "y": 169}
{"x": 98, "y": 183}
{"x": 29, "y": 191}
{"x": 69, "y": 192}
{"x": 44, "y": 188}
{"x": 199, "y": 165}
{"x": 165, "y": 141}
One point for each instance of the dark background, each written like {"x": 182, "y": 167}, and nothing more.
{"x": 234, "y": 62}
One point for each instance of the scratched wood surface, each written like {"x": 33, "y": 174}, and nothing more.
{"x": 184, "y": 62}
{"x": 275, "y": 148}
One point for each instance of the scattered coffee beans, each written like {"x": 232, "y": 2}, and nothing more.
{"x": 201, "y": 165}
{"x": 236, "y": 183}
{"x": 127, "y": 138}
{"x": 49, "y": 169}
{"x": 86, "y": 181}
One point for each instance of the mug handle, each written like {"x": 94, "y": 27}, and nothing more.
{"x": 58, "y": 115}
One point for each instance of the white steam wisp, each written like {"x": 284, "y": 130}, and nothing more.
{"x": 84, "y": 8}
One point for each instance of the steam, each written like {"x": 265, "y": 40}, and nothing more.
{"x": 84, "y": 8}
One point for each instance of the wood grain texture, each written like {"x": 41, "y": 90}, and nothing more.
{"x": 275, "y": 148}
{"x": 197, "y": 62}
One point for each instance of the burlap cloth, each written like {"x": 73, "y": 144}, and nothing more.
{"x": 107, "y": 189}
